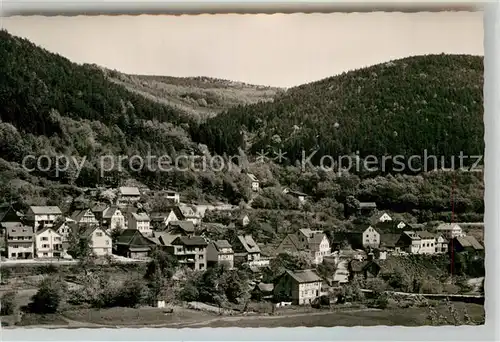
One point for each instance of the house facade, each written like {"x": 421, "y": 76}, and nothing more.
{"x": 299, "y": 287}
{"x": 450, "y": 231}
{"x": 371, "y": 238}
{"x": 246, "y": 248}
{"x": 19, "y": 241}
{"x": 128, "y": 195}
{"x": 220, "y": 252}
{"x": 43, "y": 215}
{"x": 133, "y": 244}
{"x": 100, "y": 241}
{"x": 112, "y": 219}
{"x": 173, "y": 196}
{"x": 427, "y": 242}
{"x": 441, "y": 244}
{"x": 297, "y": 194}
{"x": 140, "y": 222}
{"x": 85, "y": 216}
{"x": 409, "y": 242}
{"x": 48, "y": 243}
{"x": 191, "y": 251}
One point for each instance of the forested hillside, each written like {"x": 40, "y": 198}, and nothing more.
{"x": 401, "y": 107}
{"x": 51, "y": 106}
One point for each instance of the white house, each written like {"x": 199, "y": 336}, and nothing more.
{"x": 173, "y": 196}
{"x": 314, "y": 242}
{"x": 64, "y": 227}
{"x": 427, "y": 242}
{"x": 371, "y": 237}
{"x": 19, "y": 240}
{"x": 113, "y": 218}
{"x": 401, "y": 225}
{"x": 255, "y": 186}
{"x": 409, "y": 242}
{"x": 441, "y": 244}
{"x": 450, "y": 230}
{"x": 384, "y": 218}
{"x": 141, "y": 222}
{"x": 100, "y": 242}
{"x": 48, "y": 244}
{"x": 45, "y": 215}
{"x": 220, "y": 252}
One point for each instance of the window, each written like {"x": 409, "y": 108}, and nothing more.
{"x": 57, "y": 238}
{"x": 15, "y": 246}
{"x": 202, "y": 266}
{"x": 44, "y": 238}
{"x": 107, "y": 242}
{"x": 99, "y": 234}
{"x": 200, "y": 257}
{"x": 12, "y": 255}
{"x": 45, "y": 254}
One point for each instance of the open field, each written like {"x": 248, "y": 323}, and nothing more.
{"x": 186, "y": 318}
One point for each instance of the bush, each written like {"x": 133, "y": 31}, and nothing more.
{"x": 49, "y": 296}
{"x": 377, "y": 285}
{"x": 189, "y": 293}
{"x": 8, "y": 303}
{"x": 382, "y": 301}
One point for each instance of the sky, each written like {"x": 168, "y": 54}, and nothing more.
{"x": 281, "y": 50}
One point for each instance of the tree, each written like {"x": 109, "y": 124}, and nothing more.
{"x": 49, "y": 296}
{"x": 79, "y": 248}
{"x": 8, "y": 303}
{"x": 160, "y": 269}
{"x": 189, "y": 292}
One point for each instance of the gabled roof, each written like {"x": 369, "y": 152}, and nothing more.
{"x": 190, "y": 241}
{"x": 77, "y": 215}
{"x": 295, "y": 241}
{"x": 129, "y": 191}
{"x": 186, "y": 226}
{"x": 16, "y": 229}
{"x": 165, "y": 238}
{"x": 294, "y": 192}
{"x": 469, "y": 241}
{"x": 109, "y": 212}
{"x": 389, "y": 240}
{"x": 447, "y": 226}
{"x": 220, "y": 244}
{"x": 140, "y": 217}
{"x": 304, "y": 276}
{"x": 100, "y": 207}
{"x": 249, "y": 243}
{"x": 133, "y": 237}
{"x": 43, "y": 230}
{"x": 412, "y": 235}
{"x": 263, "y": 287}
{"x": 367, "y": 205}
{"x": 9, "y": 214}
{"x": 46, "y": 210}
{"x": 426, "y": 235}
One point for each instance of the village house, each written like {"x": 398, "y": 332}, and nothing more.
{"x": 8, "y": 215}
{"x": 112, "y": 219}
{"x": 19, "y": 240}
{"x": 297, "y": 194}
{"x": 63, "y": 227}
{"x": 246, "y": 249}
{"x": 43, "y": 215}
{"x": 48, "y": 243}
{"x": 140, "y": 222}
{"x": 441, "y": 244}
{"x": 163, "y": 238}
{"x": 133, "y": 244}
{"x": 220, "y": 252}
{"x": 388, "y": 242}
{"x": 254, "y": 182}
{"x": 244, "y": 220}
{"x": 191, "y": 251}
{"x": 314, "y": 242}
{"x": 371, "y": 238}
{"x": 128, "y": 195}
{"x": 85, "y": 216}
{"x": 366, "y": 208}
{"x": 450, "y": 230}
{"x": 468, "y": 244}
{"x": 427, "y": 242}
{"x": 187, "y": 213}
{"x": 100, "y": 242}
{"x": 181, "y": 228}
{"x": 160, "y": 221}
{"x": 409, "y": 242}
{"x": 173, "y": 196}
{"x": 299, "y": 287}
{"x": 361, "y": 270}
{"x": 262, "y": 291}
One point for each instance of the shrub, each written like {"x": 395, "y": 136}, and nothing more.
{"x": 377, "y": 285}
{"x": 49, "y": 296}
{"x": 8, "y": 303}
{"x": 382, "y": 301}
{"x": 189, "y": 293}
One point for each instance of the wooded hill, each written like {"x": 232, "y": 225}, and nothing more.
{"x": 402, "y": 107}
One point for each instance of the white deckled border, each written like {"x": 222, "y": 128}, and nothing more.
{"x": 489, "y": 332}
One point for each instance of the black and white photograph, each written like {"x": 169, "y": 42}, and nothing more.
{"x": 251, "y": 171}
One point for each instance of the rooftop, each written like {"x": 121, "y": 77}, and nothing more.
{"x": 46, "y": 210}
{"x": 304, "y": 276}
{"x": 129, "y": 191}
